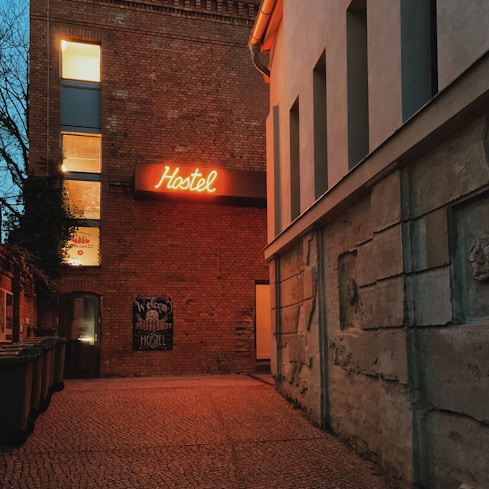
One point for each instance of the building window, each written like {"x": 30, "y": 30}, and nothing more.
{"x": 295, "y": 184}
{"x": 83, "y": 198}
{"x": 80, "y": 61}
{"x": 80, "y": 106}
{"x": 419, "y": 60}
{"x": 82, "y": 167}
{"x": 320, "y": 127}
{"x": 81, "y": 147}
{"x": 277, "y": 174}
{"x": 84, "y": 247}
{"x": 81, "y": 153}
{"x": 357, "y": 81}
{"x": 6, "y": 315}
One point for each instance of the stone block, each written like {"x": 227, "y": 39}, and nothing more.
{"x": 428, "y": 244}
{"x": 379, "y": 305}
{"x": 454, "y": 368}
{"x": 387, "y": 252}
{"x": 309, "y": 281}
{"x": 365, "y": 264}
{"x": 460, "y": 448}
{"x": 454, "y": 169}
{"x": 381, "y": 354}
{"x": 289, "y": 319}
{"x": 385, "y": 202}
{"x": 291, "y": 262}
{"x": 374, "y": 417}
{"x": 292, "y": 290}
{"x": 429, "y": 297}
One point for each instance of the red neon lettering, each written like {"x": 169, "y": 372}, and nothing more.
{"x": 195, "y": 182}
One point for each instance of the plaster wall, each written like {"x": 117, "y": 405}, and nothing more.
{"x": 462, "y": 36}
{"x": 387, "y": 348}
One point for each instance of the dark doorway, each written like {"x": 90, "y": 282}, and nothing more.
{"x": 79, "y": 323}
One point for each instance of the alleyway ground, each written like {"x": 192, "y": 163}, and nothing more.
{"x": 216, "y": 432}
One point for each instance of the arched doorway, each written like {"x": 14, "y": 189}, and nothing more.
{"x": 79, "y": 323}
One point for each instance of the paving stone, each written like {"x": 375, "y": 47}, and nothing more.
{"x": 208, "y": 432}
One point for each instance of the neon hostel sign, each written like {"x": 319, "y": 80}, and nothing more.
{"x": 171, "y": 179}
{"x": 166, "y": 181}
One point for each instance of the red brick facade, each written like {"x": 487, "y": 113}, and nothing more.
{"x": 177, "y": 87}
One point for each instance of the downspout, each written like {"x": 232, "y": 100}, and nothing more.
{"x": 256, "y": 38}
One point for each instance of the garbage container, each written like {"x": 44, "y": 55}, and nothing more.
{"x": 37, "y": 365}
{"x": 59, "y": 362}
{"x": 47, "y": 348}
{"x": 16, "y": 386}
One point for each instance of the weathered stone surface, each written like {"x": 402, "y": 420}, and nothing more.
{"x": 454, "y": 169}
{"x": 429, "y": 297}
{"x": 381, "y": 354}
{"x": 379, "y": 305}
{"x": 366, "y": 266}
{"x": 292, "y": 290}
{"x": 291, "y": 262}
{"x": 387, "y": 252}
{"x": 289, "y": 319}
{"x": 309, "y": 282}
{"x": 428, "y": 247}
{"x": 459, "y": 451}
{"x": 471, "y": 228}
{"x": 454, "y": 367}
{"x": 374, "y": 417}
{"x": 385, "y": 202}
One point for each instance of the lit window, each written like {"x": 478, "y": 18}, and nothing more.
{"x": 6, "y": 315}
{"x": 80, "y": 61}
{"x": 81, "y": 153}
{"x": 83, "y": 248}
{"x": 83, "y": 198}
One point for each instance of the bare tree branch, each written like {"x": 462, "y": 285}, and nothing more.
{"x": 14, "y": 83}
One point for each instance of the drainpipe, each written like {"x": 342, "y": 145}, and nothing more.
{"x": 256, "y": 38}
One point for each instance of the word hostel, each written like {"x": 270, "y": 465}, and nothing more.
{"x": 195, "y": 182}
{"x": 159, "y": 118}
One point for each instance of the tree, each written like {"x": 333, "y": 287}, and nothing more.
{"x": 36, "y": 219}
{"x": 14, "y": 82}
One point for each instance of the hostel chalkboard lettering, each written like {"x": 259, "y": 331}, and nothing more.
{"x": 152, "y": 323}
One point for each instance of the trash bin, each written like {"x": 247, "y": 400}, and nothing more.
{"x": 47, "y": 348}
{"x": 37, "y": 365}
{"x": 16, "y": 386}
{"x": 59, "y": 362}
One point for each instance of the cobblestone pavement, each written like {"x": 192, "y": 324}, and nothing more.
{"x": 215, "y": 432}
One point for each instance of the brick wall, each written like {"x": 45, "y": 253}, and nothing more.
{"x": 177, "y": 87}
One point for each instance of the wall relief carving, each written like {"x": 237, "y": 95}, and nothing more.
{"x": 479, "y": 259}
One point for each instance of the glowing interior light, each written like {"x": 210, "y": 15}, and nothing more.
{"x": 63, "y": 45}
{"x": 194, "y": 182}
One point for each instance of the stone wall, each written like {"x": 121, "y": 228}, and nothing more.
{"x": 383, "y": 313}
{"x": 446, "y": 228}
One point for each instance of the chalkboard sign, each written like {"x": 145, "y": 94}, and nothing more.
{"x": 152, "y": 323}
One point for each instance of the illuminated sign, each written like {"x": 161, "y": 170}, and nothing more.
{"x": 195, "y": 182}
{"x": 165, "y": 181}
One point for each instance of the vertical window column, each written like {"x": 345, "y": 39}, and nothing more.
{"x": 419, "y": 61}
{"x": 357, "y": 81}
{"x": 277, "y": 174}
{"x": 295, "y": 183}
{"x": 320, "y": 127}
{"x": 81, "y": 147}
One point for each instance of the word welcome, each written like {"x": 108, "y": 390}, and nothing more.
{"x": 194, "y": 182}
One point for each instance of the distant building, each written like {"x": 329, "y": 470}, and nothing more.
{"x": 378, "y": 226}
{"x": 155, "y": 114}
